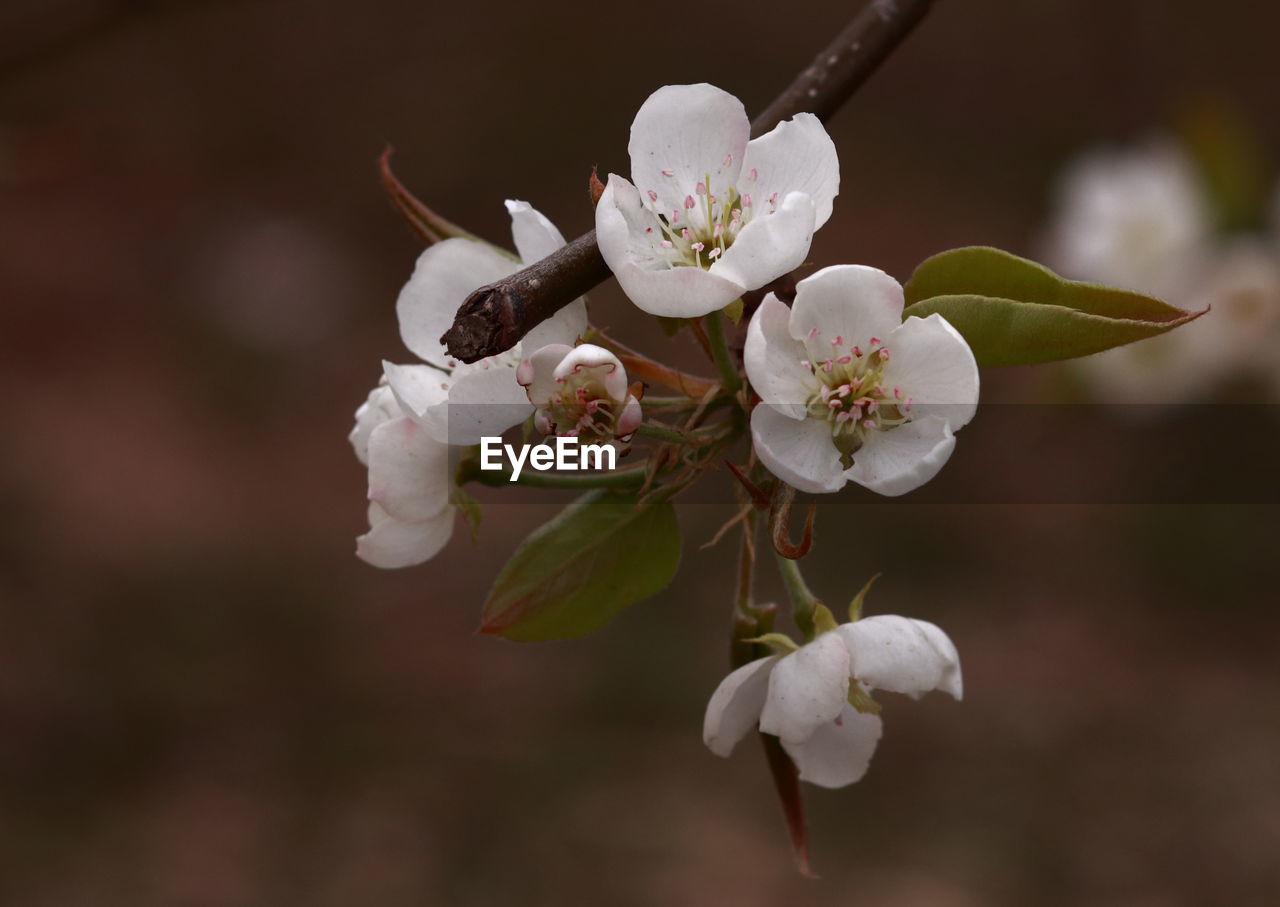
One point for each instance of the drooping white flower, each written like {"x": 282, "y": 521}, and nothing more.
{"x": 410, "y": 514}
{"x": 816, "y": 700}
{"x": 458, "y": 403}
{"x": 709, "y": 214}
{"x": 851, "y": 392}
{"x": 579, "y": 392}
{"x": 1138, "y": 219}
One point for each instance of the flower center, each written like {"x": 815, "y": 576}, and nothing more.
{"x": 706, "y": 222}
{"x": 852, "y": 397}
{"x": 582, "y": 408}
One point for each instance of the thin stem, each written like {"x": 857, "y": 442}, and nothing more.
{"x": 803, "y": 601}
{"x": 728, "y": 369}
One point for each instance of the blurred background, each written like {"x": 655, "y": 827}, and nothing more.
{"x": 205, "y": 699}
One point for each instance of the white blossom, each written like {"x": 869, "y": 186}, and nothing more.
{"x": 1236, "y": 337}
{"x": 1138, "y": 219}
{"x": 851, "y": 392}
{"x": 410, "y": 514}
{"x": 579, "y": 392}
{"x": 708, "y": 214}
{"x": 817, "y": 700}
{"x": 459, "y": 403}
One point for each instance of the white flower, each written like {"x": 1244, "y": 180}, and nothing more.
{"x": 456, "y": 402}
{"x": 806, "y": 698}
{"x": 580, "y": 392}
{"x": 851, "y": 392}
{"x": 1137, "y": 219}
{"x": 1240, "y": 286}
{"x": 410, "y": 516}
{"x": 711, "y": 214}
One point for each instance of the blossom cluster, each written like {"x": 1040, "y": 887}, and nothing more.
{"x": 844, "y": 389}
{"x": 1142, "y": 218}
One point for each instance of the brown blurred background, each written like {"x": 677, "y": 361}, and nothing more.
{"x": 205, "y": 699}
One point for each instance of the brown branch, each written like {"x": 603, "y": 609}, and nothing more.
{"x": 494, "y": 318}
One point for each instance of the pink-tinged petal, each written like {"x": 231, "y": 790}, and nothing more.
{"x": 902, "y": 655}
{"x": 797, "y": 156}
{"x": 848, "y": 303}
{"x": 807, "y": 689}
{"x": 770, "y": 245}
{"x": 606, "y": 366}
{"x": 932, "y": 363}
{"x": 734, "y": 708}
{"x": 690, "y": 131}
{"x": 444, "y": 276}
{"x": 901, "y": 459}
{"x": 392, "y": 543}
{"x": 646, "y": 278}
{"x": 408, "y": 471}
{"x": 774, "y": 360}
{"x": 535, "y": 236}
{"x": 837, "y": 754}
{"x": 537, "y": 374}
{"x": 381, "y": 406}
{"x": 484, "y": 401}
{"x": 565, "y": 326}
{"x": 629, "y": 421}
{"x": 800, "y": 452}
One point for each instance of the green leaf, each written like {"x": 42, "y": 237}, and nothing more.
{"x": 580, "y": 570}
{"x": 1015, "y": 312}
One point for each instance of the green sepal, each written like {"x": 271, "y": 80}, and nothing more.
{"x": 855, "y": 606}
{"x": 575, "y": 573}
{"x": 1013, "y": 311}
{"x": 823, "y": 620}
{"x": 780, "y": 643}
{"x": 733, "y": 311}
{"x": 670, "y": 326}
{"x": 469, "y": 507}
{"x": 861, "y": 700}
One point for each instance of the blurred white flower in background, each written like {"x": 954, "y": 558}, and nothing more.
{"x": 1142, "y": 219}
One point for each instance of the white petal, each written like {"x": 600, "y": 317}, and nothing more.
{"x": 590, "y": 356}
{"x": 796, "y": 156}
{"x": 381, "y": 406}
{"x": 537, "y": 373}
{"x": 734, "y": 708}
{"x": 800, "y": 452}
{"x": 932, "y": 363}
{"x": 902, "y": 655}
{"x": 851, "y": 302}
{"x": 392, "y": 543}
{"x": 485, "y": 400}
{"x": 408, "y": 470}
{"x": 770, "y": 245}
{"x": 902, "y": 459}
{"x": 693, "y": 131}
{"x": 837, "y": 754}
{"x": 443, "y": 278}
{"x": 535, "y": 236}
{"x": 807, "y": 689}
{"x": 417, "y": 387}
{"x": 647, "y": 279}
{"x": 773, "y": 360}
{"x": 565, "y": 326}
